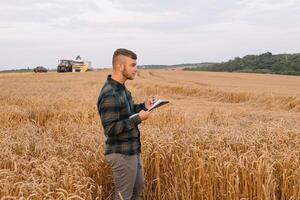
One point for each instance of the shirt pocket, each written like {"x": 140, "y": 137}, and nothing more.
{"x": 125, "y": 108}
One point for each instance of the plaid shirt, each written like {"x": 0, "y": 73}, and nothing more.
{"x": 115, "y": 105}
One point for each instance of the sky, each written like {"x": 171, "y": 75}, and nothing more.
{"x": 35, "y": 32}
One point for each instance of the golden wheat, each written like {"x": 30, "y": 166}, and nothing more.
{"x": 223, "y": 136}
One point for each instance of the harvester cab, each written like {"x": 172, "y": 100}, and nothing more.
{"x": 77, "y": 65}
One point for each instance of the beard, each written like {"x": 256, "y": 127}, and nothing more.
{"x": 127, "y": 75}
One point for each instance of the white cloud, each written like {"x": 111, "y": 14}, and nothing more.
{"x": 160, "y": 31}
{"x": 254, "y": 6}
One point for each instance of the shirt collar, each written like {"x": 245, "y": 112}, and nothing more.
{"x": 115, "y": 83}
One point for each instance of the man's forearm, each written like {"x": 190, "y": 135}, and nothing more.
{"x": 122, "y": 126}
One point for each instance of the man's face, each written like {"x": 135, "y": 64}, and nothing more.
{"x": 129, "y": 68}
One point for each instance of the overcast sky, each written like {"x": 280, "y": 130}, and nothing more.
{"x": 40, "y": 32}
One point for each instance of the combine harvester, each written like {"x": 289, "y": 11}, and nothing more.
{"x": 77, "y": 65}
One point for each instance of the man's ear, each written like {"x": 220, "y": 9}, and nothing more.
{"x": 118, "y": 67}
{"x": 121, "y": 67}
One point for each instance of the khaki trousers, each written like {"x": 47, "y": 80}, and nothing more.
{"x": 127, "y": 174}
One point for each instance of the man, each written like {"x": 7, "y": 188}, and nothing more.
{"x": 123, "y": 146}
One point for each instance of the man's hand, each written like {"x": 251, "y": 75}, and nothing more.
{"x": 144, "y": 115}
{"x": 149, "y": 103}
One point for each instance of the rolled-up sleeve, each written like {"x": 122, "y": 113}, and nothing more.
{"x": 109, "y": 108}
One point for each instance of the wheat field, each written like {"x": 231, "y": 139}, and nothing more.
{"x": 223, "y": 136}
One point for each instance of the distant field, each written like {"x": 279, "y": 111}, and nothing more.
{"x": 223, "y": 136}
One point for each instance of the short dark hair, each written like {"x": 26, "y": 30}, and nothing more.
{"x": 124, "y": 52}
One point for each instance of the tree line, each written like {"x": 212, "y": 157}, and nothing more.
{"x": 264, "y": 63}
